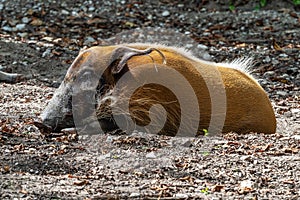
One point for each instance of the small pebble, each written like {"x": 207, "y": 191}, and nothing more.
{"x": 25, "y": 20}
{"x": 46, "y": 53}
{"x": 89, "y": 40}
{"x": 269, "y": 74}
{"x": 134, "y": 195}
{"x": 202, "y": 46}
{"x": 23, "y": 35}
{"x": 282, "y": 93}
{"x": 165, "y": 13}
{"x": 91, "y": 9}
{"x": 296, "y": 137}
{"x": 151, "y": 155}
{"x": 181, "y": 196}
{"x": 295, "y": 110}
{"x": 267, "y": 59}
{"x": 283, "y": 55}
{"x": 65, "y": 12}
{"x": 288, "y": 114}
{"x": 7, "y": 28}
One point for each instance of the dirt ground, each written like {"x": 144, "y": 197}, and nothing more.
{"x": 41, "y": 39}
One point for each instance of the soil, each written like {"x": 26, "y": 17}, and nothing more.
{"x": 41, "y": 39}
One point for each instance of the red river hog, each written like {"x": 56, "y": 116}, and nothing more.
{"x": 158, "y": 89}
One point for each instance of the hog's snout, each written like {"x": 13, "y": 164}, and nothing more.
{"x": 58, "y": 113}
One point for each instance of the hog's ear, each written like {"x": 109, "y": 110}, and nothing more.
{"x": 122, "y": 54}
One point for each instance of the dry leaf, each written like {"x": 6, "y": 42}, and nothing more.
{"x": 276, "y": 46}
{"x": 81, "y": 183}
{"x": 241, "y": 45}
{"x": 6, "y": 168}
{"x": 218, "y": 188}
{"x": 36, "y": 22}
{"x": 23, "y": 192}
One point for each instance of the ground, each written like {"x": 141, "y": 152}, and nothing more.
{"x": 41, "y": 39}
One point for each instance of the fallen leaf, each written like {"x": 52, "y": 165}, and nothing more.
{"x": 218, "y": 188}
{"x": 6, "y": 168}
{"x": 241, "y": 45}
{"x": 81, "y": 183}
{"x": 291, "y": 150}
{"x": 23, "y": 192}
{"x": 291, "y": 182}
{"x": 56, "y": 53}
{"x": 293, "y": 14}
{"x": 36, "y": 22}
{"x": 267, "y": 147}
{"x": 276, "y": 46}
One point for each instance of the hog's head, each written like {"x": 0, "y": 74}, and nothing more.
{"x": 87, "y": 87}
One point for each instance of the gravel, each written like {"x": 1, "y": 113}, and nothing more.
{"x": 41, "y": 39}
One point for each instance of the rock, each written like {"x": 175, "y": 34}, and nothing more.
{"x": 65, "y": 12}
{"x": 202, "y": 46}
{"x": 23, "y": 35}
{"x": 109, "y": 139}
{"x": 91, "y": 9}
{"x": 134, "y": 195}
{"x": 150, "y": 17}
{"x": 282, "y": 93}
{"x": 285, "y": 76}
{"x": 246, "y": 185}
{"x": 206, "y": 56}
{"x": 7, "y": 28}
{"x": 267, "y": 59}
{"x": 89, "y": 40}
{"x": 283, "y": 55}
{"x": 25, "y": 20}
{"x": 48, "y": 39}
{"x": 181, "y": 196}
{"x": 69, "y": 131}
{"x": 108, "y": 155}
{"x": 275, "y": 62}
{"x": 151, "y": 155}
{"x": 288, "y": 114}
{"x": 246, "y": 157}
{"x": 165, "y": 13}
{"x": 296, "y": 137}
{"x": 262, "y": 82}
{"x": 284, "y": 138}
{"x": 46, "y": 53}
{"x": 269, "y": 74}
{"x": 7, "y": 151}
{"x": 295, "y": 110}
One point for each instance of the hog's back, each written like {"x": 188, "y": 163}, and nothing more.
{"x": 248, "y": 108}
